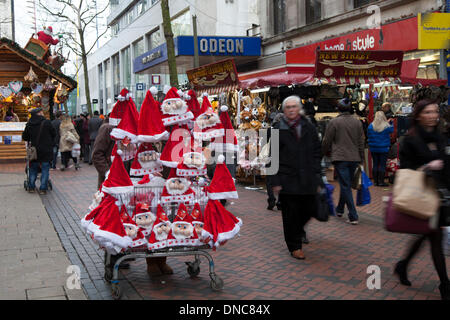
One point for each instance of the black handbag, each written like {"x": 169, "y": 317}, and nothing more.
{"x": 323, "y": 209}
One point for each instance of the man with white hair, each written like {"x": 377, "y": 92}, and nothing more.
{"x": 299, "y": 175}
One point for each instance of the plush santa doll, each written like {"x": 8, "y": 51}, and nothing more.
{"x": 161, "y": 230}
{"x": 177, "y": 189}
{"x": 46, "y": 36}
{"x": 174, "y": 109}
{"x": 144, "y": 218}
{"x": 146, "y": 161}
{"x": 207, "y": 125}
{"x": 182, "y": 232}
{"x": 132, "y": 229}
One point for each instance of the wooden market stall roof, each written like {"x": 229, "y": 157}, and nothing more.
{"x": 15, "y": 63}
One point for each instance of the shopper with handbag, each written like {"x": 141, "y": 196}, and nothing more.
{"x": 379, "y": 141}
{"x": 41, "y": 134}
{"x": 423, "y": 148}
{"x": 299, "y": 178}
{"x": 69, "y": 137}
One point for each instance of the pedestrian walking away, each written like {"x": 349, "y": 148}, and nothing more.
{"x": 424, "y": 148}
{"x": 69, "y": 137}
{"x": 101, "y": 154}
{"x": 41, "y": 134}
{"x": 379, "y": 143}
{"x": 344, "y": 139}
{"x": 56, "y": 123}
{"x": 94, "y": 125}
{"x": 299, "y": 175}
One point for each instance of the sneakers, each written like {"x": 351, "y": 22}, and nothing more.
{"x": 353, "y": 222}
{"x": 339, "y": 214}
{"x": 31, "y": 190}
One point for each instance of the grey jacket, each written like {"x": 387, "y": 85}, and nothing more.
{"x": 93, "y": 125}
{"x": 344, "y": 138}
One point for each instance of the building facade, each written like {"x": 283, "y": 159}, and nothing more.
{"x": 6, "y": 19}
{"x": 136, "y": 29}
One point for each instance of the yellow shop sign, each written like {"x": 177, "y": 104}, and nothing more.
{"x": 433, "y": 30}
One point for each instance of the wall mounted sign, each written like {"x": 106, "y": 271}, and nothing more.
{"x": 433, "y": 30}
{"x": 221, "y": 73}
{"x": 358, "y": 63}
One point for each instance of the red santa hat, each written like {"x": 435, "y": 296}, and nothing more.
{"x": 193, "y": 104}
{"x": 132, "y": 229}
{"x": 128, "y": 126}
{"x": 182, "y": 221}
{"x": 197, "y": 217}
{"x": 118, "y": 181}
{"x": 139, "y": 167}
{"x": 227, "y": 143}
{"x": 155, "y": 242}
{"x": 89, "y": 217}
{"x": 120, "y": 107}
{"x": 208, "y": 126}
{"x": 143, "y": 214}
{"x": 206, "y": 104}
{"x": 220, "y": 224}
{"x": 177, "y": 189}
{"x": 222, "y": 184}
{"x": 180, "y": 142}
{"x": 174, "y": 109}
{"x": 150, "y": 126}
{"x": 186, "y": 168}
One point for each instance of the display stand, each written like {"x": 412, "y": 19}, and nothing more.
{"x": 254, "y": 187}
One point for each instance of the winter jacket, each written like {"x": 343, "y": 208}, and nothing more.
{"x": 101, "y": 154}
{"x": 299, "y": 160}
{"x": 69, "y": 137}
{"x": 379, "y": 141}
{"x": 46, "y": 140}
{"x": 94, "y": 125}
{"x": 56, "y": 123}
{"x": 85, "y": 136}
{"x": 344, "y": 137}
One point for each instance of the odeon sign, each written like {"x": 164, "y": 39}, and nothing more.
{"x": 230, "y": 46}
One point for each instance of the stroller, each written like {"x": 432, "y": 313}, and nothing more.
{"x": 26, "y": 182}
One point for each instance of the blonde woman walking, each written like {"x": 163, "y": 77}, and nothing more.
{"x": 379, "y": 140}
{"x": 69, "y": 137}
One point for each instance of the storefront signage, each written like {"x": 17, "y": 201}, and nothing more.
{"x": 217, "y": 74}
{"x": 390, "y": 37}
{"x": 152, "y": 56}
{"x": 219, "y": 46}
{"x": 434, "y": 30}
{"x": 358, "y": 63}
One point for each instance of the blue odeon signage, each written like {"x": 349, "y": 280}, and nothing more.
{"x": 207, "y": 46}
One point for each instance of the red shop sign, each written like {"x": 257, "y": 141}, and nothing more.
{"x": 400, "y": 35}
{"x": 221, "y": 73}
{"x": 358, "y": 63}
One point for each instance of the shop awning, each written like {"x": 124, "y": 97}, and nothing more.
{"x": 285, "y": 75}
{"x": 217, "y": 90}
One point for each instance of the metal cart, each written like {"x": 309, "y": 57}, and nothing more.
{"x": 151, "y": 195}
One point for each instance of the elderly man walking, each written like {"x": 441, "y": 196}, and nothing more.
{"x": 344, "y": 138}
{"x": 299, "y": 175}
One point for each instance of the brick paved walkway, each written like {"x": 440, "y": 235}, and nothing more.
{"x": 257, "y": 265}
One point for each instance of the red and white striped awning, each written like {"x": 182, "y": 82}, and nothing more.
{"x": 354, "y": 80}
{"x": 218, "y": 89}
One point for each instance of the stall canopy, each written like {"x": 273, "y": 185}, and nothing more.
{"x": 285, "y": 75}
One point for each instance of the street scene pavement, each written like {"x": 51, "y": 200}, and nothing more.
{"x": 41, "y": 237}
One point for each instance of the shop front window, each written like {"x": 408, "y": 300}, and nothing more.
{"x": 154, "y": 39}
{"x": 116, "y": 74}
{"x": 362, "y": 3}
{"x": 279, "y": 25}
{"x": 126, "y": 67}
{"x": 313, "y": 11}
{"x": 181, "y": 25}
{"x": 138, "y": 49}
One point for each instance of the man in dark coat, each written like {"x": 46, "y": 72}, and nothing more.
{"x": 93, "y": 126}
{"x": 101, "y": 154}
{"x": 40, "y": 132}
{"x": 56, "y": 123}
{"x": 299, "y": 175}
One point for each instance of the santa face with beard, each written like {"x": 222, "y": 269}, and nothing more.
{"x": 145, "y": 220}
{"x": 177, "y": 186}
{"x": 131, "y": 230}
{"x": 162, "y": 230}
{"x": 207, "y": 120}
{"x": 173, "y": 106}
{"x": 198, "y": 227}
{"x": 182, "y": 230}
{"x": 194, "y": 160}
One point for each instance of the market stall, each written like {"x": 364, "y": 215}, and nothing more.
{"x": 26, "y": 82}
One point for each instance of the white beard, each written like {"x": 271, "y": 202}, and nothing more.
{"x": 202, "y": 125}
{"x": 162, "y": 236}
{"x": 186, "y": 184}
{"x": 182, "y": 236}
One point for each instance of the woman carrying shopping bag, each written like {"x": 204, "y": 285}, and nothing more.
{"x": 69, "y": 137}
{"x": 379, "y": 141}
{"x": 423, "y": 148}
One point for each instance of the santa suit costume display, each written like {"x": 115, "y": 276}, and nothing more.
{"x": 174, "y": 109}
{"x": 161, "y": 230}
{"x": 182, "y": 231}
{"x": 144, "y": 218}
{"x": 146, "y": 161}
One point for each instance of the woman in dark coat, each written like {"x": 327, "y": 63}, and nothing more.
{"x": 299, "y": 173}
{"x": 424, "y": 148}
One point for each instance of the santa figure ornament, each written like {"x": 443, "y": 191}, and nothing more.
{"x": 177, "y": 189}
{"x": 207, "y": 125}
{"x": 144, "y": 218}
{"x": 150, "y": 126}
{"x": 227, "y": 143}
{"x": 193, "y": 164}
{"x": 197, "y": 219}
{"x": 132, "y": 230}
{"x": 182, "y": 231}
{"x": 46, "y": 36}
{"x": 174, "y": 109}
{"x": 222, "y": 184}
{"x": 161, "y": 230}
{"x": 146, "y": 161}
{"x": 126, "y": 152}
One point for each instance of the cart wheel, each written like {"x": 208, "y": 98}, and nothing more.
{"x": 193, "y": 270}
{"x": 115, "y": 291}
{"x": 216, "y": 283}
{"x": 108, "y": 274}
{"x": 50, "y": 185}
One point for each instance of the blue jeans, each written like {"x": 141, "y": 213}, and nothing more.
{"x": 33, "y": 172}
{"x": 345, "y": 171}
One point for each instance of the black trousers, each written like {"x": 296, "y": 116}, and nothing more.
{"x": 296, "y": 211}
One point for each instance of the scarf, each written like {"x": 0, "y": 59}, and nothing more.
{"x": 295, "y": 126}
{"x": 429, "y": 136}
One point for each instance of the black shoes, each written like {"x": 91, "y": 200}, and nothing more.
{"x": 381, "y": 182}
{"x": 444, "y": 288}
{"x": 305, "y": 239}
{"x": 400, "y": 271}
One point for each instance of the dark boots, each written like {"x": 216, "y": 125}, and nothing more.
{"x": 158, "y": 266}
{"x": 375, "y": 177}
{"x": 400, "y": 271}
{"x": 444, "y": 288}
{"x": 381, "y": 182}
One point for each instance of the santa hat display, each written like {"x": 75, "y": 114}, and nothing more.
{"x": 132, "y": 229}
{"x": 87, "y": 219}
{"x": 193, "y": 164}
{"x": 174, "y": 109}
{"x": 197, "y": 218}
{"x": 146, "y": 161}
{"x": 180, "y": 142}
{"x": 193, "y": 104}
{"x": 128, "y": 126}
{"x": 227, "y": 143}
{"x": 144, "y": 218}
{"x": 118, "y": 180}
{"x": 150, "y": 125}
{"x": 222, "y": 184}
{"x": 126, "y": 156}
{"x": 208, "y": 125}
{"x": 120, "y": 107}
{"x": 206, "y": 104}
{"x": 177, "y": 189}
{"x": 220, "y": 224}
{"x": 157, "y": 240}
